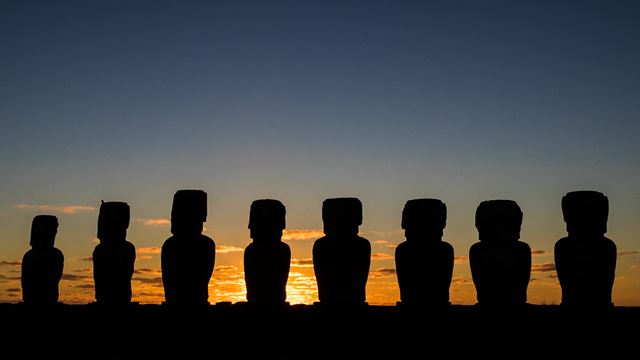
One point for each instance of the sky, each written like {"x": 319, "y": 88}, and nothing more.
{"x": 301, "y": 101}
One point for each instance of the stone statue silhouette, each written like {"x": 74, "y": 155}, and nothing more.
{"x": 500, "y": 263}
{"x": 42, "y": 265}
{"x": 114, "y": 257}
{"x": 586, "y": 259}
{"x": 188, "y": 257}
{"x": 341, "y": 258}
{"x": 424, "y": 263}
{"x": 267, "y": 258}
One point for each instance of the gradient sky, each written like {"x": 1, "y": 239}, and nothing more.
{"x": 300, "y": 101}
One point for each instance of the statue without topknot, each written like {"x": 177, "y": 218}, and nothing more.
{"x": 188, "y": 257}
{"x": 267, "y": 258}
{"x": 500, "y": 262}
{"x": 341, "y": 258}
{"x": 424, "y": 263}
{"x": 586, "y": 259}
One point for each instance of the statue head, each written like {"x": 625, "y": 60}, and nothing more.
{"x": 267, "y": 220}
{"x": 498, "y": 221}
{"x": 585, "y": 212}
{"x": 113, "y": 221}
{"x": 189, "y": 212}
{"x": 43, "y": 231}
{"x": 341, "y": 216}
{"x": 424, "y": 219}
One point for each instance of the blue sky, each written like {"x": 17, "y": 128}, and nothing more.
{"x": 387, "y": 101}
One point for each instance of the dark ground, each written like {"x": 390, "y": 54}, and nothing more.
{"x": 238, "y": 331}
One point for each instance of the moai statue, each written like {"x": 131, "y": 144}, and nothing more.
{"x": 267, "y": 258}
{"x": 586, "y": 259}
{"x": 42, "y": 265}
{"x": 188, "y": 256}
{"x": 424, "y": 263}
{"x": 500, "y": 263}
{"x": 114, "y": 257}
{"x": 341, "y": 258}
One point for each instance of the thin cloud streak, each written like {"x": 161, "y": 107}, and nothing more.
{"x": 64, "y": 209}
{"x": 543, "y": 267}
{"x": 627, "y": 252}
{"x": 301, "y": 234}
{"x": 10, "y": 263}
{"x": 302, "y": 262}
{"x": 381, "y": 256}
{"x": 154, "y": 221}
{"x": 148, "y": 250}
{"x": 539, "y": 252}
{"x": 225, "y": 249}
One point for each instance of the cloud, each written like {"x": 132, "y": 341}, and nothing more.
{"x": 85, "y": 270}
{"x": 383, "y": 272}
{"x": 224, "y": 249}
{"x": 635, "y": 267}
{"x": 627, "y": 252}
{"x": 460, "y": 280}
{"x": 225, "y": 268}
{"x": 157, "y": 281}
{"x": 543, "y": 267}
{"x": 147, "y": 271}
{"x": 538, "y": 252}
{"x": 13, "y": 290}
{"x": 10, "y": 263}
{"x": 381, "y": 256}
{"x": 73, "y": 277}
{"x": 380, "y": 241}
{"x": 154, "y": 221}
{"x": 64, "y": 209}
{"x": 89, "y": 258}
{"x": 302, "y": 262}
{"x": 460, "y": 259}
{"x": 391, "y": 246}
{"x": 299, "y": 234}
{"x": 5, "y": 277}
{"x": 148, "y": 250}
{"x": 85, "y": 286}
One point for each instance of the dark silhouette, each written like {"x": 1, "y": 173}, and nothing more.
{"x": 114, "y": 257}
{"x": 267, "y": 258}
{"x": 586, "y": 259}
{"x": 188, "y": 256}
{"x": 341, "y": 258}
{"x": 424, "y": 263}
{"x": 500, "y": 263}
{"x": 42, "y": 265}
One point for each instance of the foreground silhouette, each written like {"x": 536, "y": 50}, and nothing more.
{"x": 424, "y": 263}
{"x": 188, "y": 256}
{"x": 586, "y": 259}
{"x": 341, "y": 259}
{"x": 500, "y": 263}
{"x": 267, "y": 258}
{"x": 114, "y": 257}
{"x": 42, "y": 265}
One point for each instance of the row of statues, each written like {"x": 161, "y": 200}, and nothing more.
{"x": 500, "y": 263}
